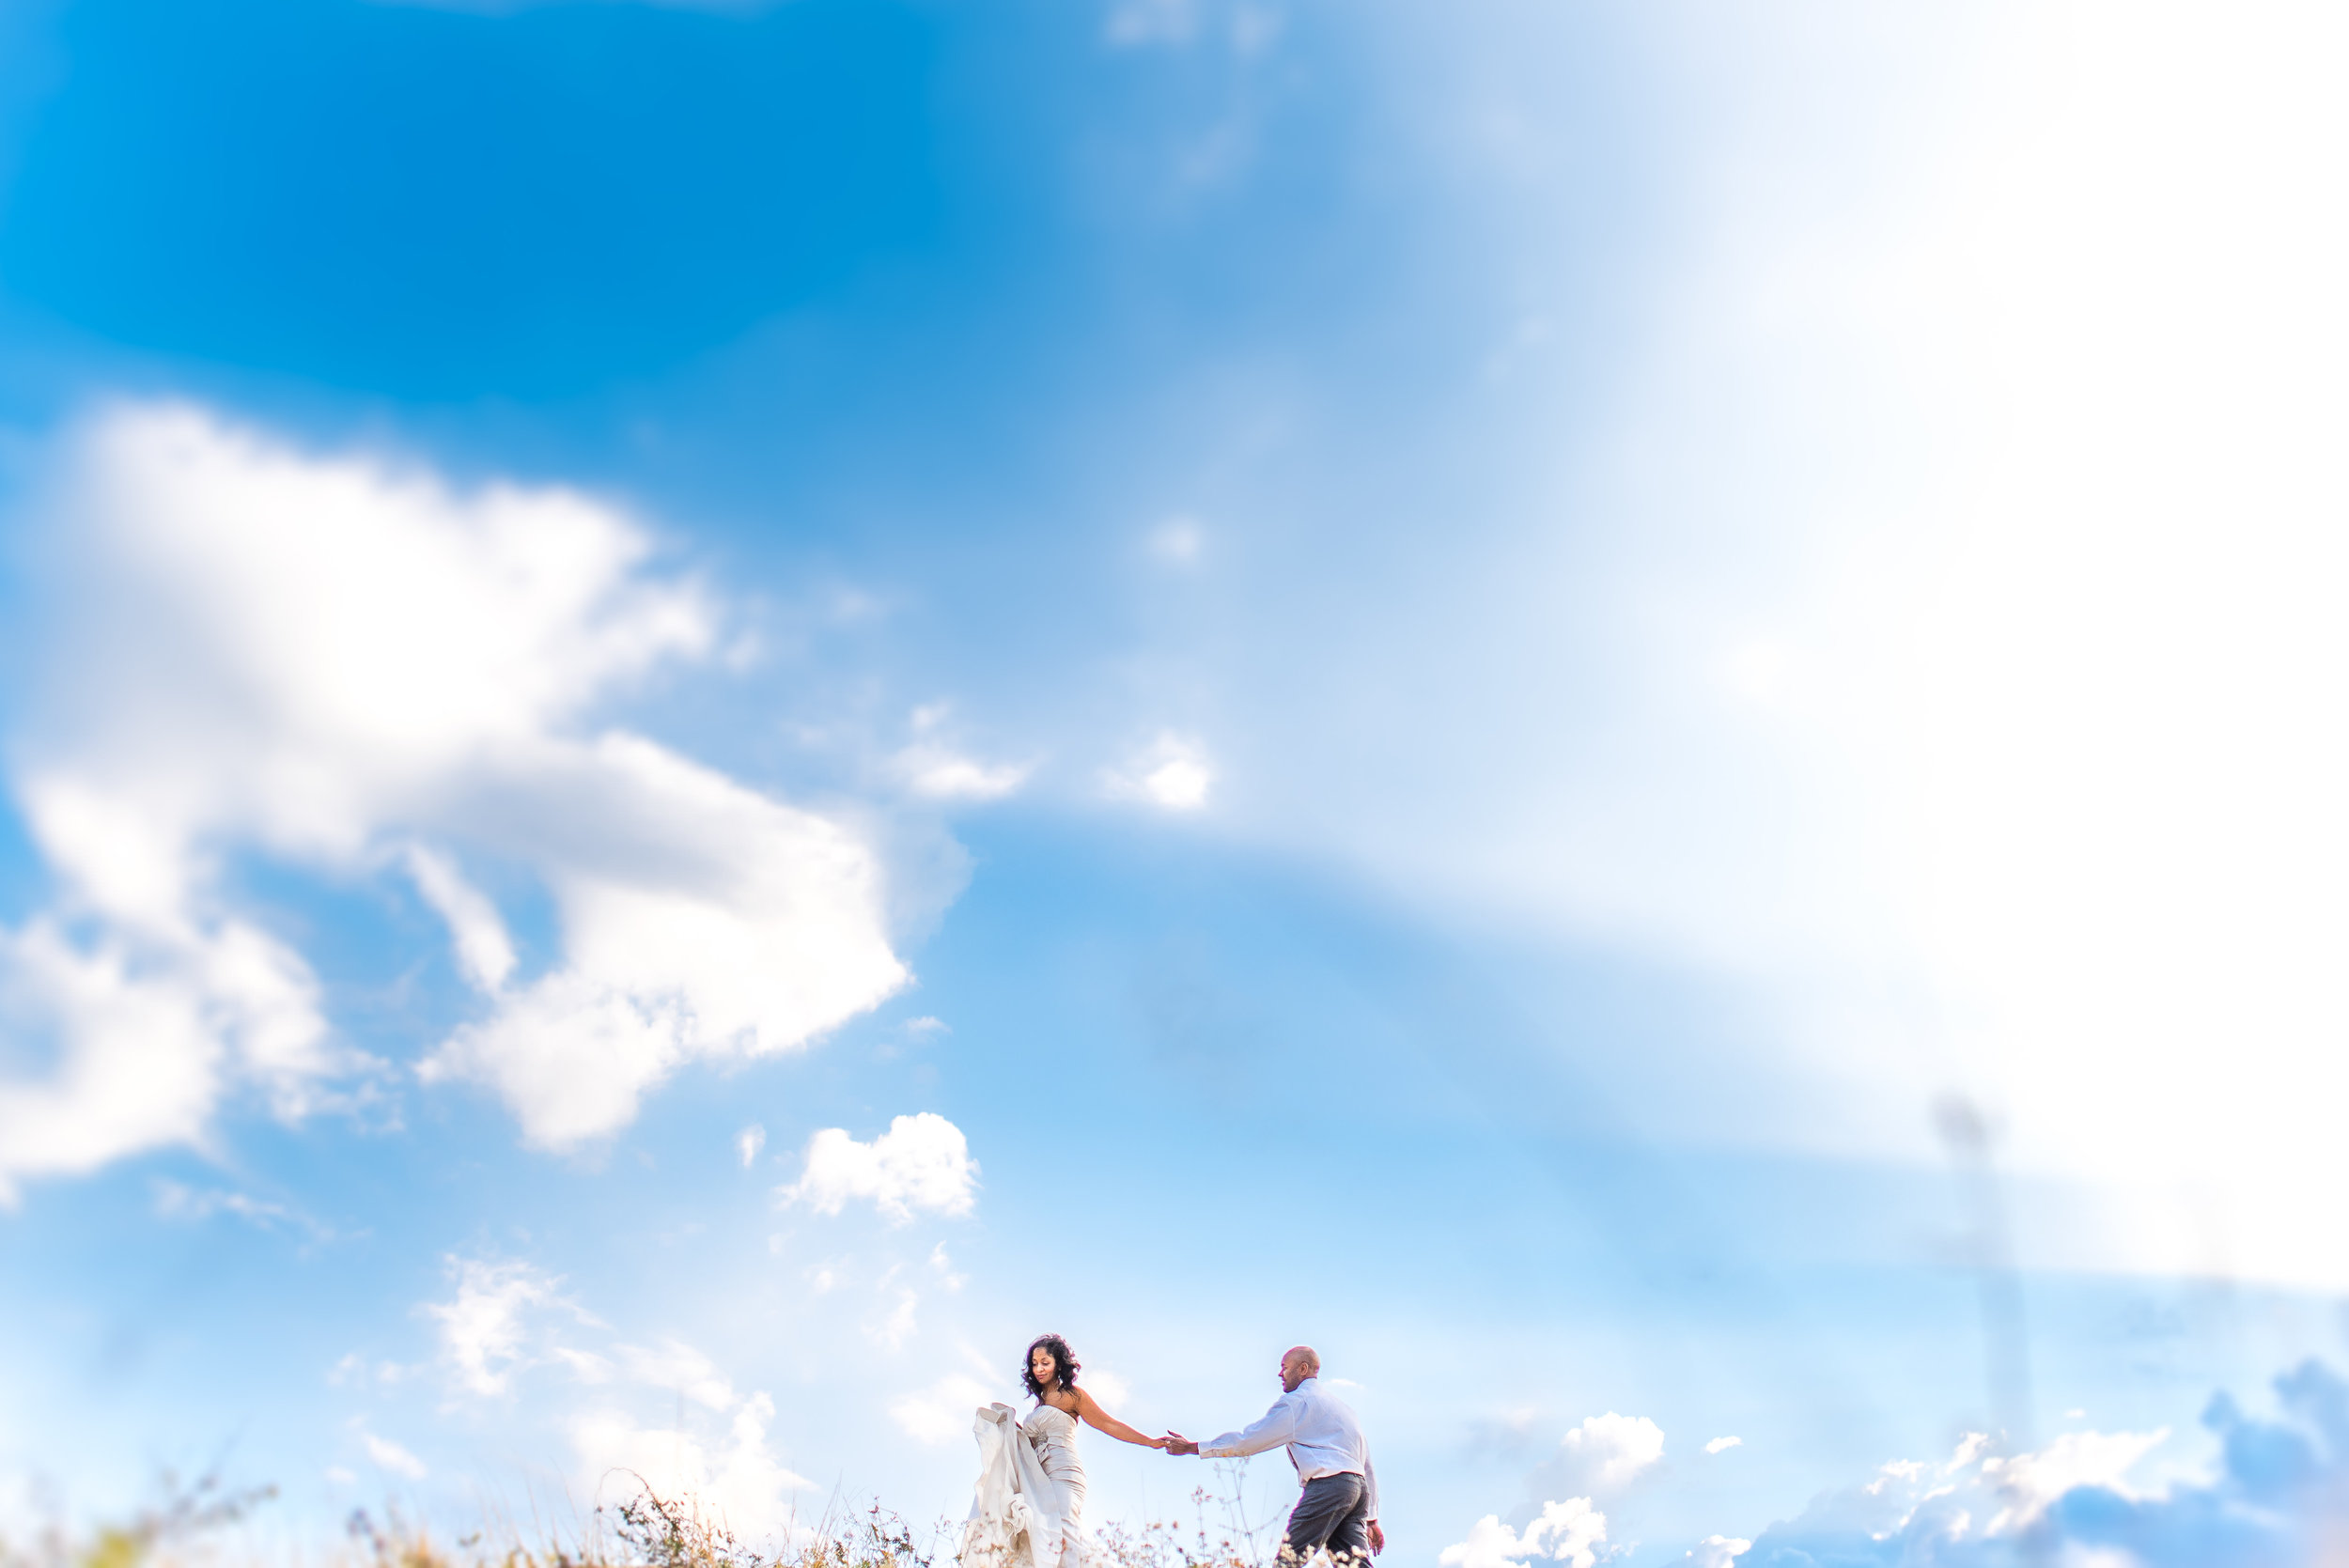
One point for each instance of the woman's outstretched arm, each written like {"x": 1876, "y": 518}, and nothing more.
{"x": 1090, "y": 1408}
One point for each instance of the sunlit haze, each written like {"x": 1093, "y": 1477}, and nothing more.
{"x": 1635, "y": 714}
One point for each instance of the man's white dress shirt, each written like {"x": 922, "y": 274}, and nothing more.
{"x": 1319, "y": 1428}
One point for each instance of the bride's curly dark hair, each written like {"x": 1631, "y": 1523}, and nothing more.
{"x": 1063, "y": 1358}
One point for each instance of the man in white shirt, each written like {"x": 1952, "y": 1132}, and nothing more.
{"x": 1339, "y": 1507}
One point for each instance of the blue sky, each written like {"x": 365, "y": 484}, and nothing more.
{"x": 709, "y": 710}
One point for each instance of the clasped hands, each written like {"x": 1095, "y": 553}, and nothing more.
{"x": 1174, "y": 1442}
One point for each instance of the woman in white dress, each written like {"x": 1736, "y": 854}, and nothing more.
{"x": 1029, "y": 1511}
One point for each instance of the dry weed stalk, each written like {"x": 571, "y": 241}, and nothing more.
{"x": 188, "y": 1511}
{"x": 649, "y": 1531}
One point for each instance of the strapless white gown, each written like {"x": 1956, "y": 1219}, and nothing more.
{"x": 1029, "y": 1508}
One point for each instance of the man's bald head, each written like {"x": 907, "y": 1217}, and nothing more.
{"x": 1302, "y": 1361}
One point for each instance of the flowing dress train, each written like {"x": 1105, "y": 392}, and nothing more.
{"x": 1028, "y": 1511}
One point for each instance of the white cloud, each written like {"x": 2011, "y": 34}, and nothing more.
{"x": 748, "y": 1142}
{"x": 1723, "y": 1445}
{"x": 484, "y": 951}
{"x": 1570, "y": 1532}
{"x": 1717, "y": 1551}
{"x": 944, "y": 775}
{"x": 2029, "y": 1482}
{"x": 1601, "y": 1456}
{"x": 486, "y": 1335}
{"x": 943, "y": 1412}
{"x": 1970, "y": 1448}
{"x": 1914, "y": 1510}
{"x": 337, "y": 661}
{"x": 758, "y": 927}
{"x": 391, "y": 1457}
{"x": 140, "y": 1064}
{"x": 1173, "y": 773}
{"x": 932, "y": 768}
{"x": 736, "y": 1476}
{"x": 572, "y": 1058}
{"x": 922, "y": 1163}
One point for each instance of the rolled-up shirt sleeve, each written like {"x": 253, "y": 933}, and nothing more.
{"x": 1370, "y": 1484}
{"x": 1277, "y": 1427}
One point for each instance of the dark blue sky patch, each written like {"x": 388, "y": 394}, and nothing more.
{"x": 435, "y": 203}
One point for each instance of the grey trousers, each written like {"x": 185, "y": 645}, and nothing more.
{"x": 1334, "y": 1512}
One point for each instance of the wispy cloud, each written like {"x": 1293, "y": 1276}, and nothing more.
{"x": 179, "y": 1202}
{"x": 391, "y": 1457}
{"x": 509, "y": 1319}
{"x": 487, "y": 1328}
{"x": 941, "y": 1413}
{"x": 484, "y": 950}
